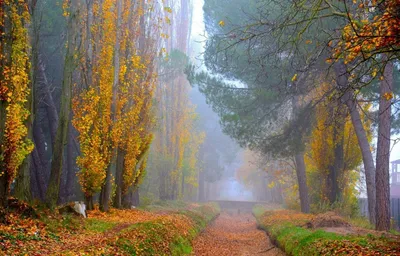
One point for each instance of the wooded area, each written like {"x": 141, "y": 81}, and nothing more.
{"x": 309, "y": 85}
{"x": 96, "y": 101}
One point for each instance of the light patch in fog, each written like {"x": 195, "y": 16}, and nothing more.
{"x": 231, "y": 189}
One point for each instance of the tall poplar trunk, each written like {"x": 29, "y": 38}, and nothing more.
{"x": 350, "y": 101}
{"x": 302, "y": 181}
{"x": 53, "y": 189}
{"x": 71, "y": 174}
{"x": 22, "y": 189}
{"x": 119, "y": 179}
{"x": 106, "y": 189}
{"x": 299, "y": 160}
{"x": 49, "y": 103}
{"x": 383, "y": 151}
{"x": 5, "y": 58}
{"x": 337, "y": 166}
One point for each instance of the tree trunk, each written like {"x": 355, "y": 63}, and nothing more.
{"x": 302, "y": 181}
{"x": 22, "y": 188}
{"x": 135, "y": 197}
{"x": 349, "y": 100}
{"x": 338, "y": 163}
{"x": 183, "y": 186}
{"x": 201, "y": 186}
{"x": 119, "y": 180}
{"x": 106, "y": 190}
{"x": 71, "y": 174}
{"x": 36, "y": 172}
{"x": 89, "y": 202}
{"x": 5, "y": 60}
{"x": 127, "y": 198}
{"x": 383, "y": 151}
{"x": 53, "y": 189}
{"x": 49, "y": 104}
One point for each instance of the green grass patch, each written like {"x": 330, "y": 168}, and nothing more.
{"x": 98, "y": 225}
{"x": 287, "y": 230}
{"x": 170, "y": 234}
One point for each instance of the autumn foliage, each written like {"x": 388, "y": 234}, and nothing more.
{"x": 14, "y": 88}
{"x": 115, "y": 112}
{"x": 372, "y": 29}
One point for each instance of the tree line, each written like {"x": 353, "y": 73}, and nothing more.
{"x": 89, "y": 89}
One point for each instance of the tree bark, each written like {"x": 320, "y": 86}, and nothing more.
{"x": 119, "y": 180}
{"x": 336, "y": 168}
{"x": 71, "y": 174}
{"x": 136, "y": 197}
{"x": 36, "y": 171}
{"x": 383, "y": 151}
{"x": 53, "y": 189}
{"x": 5, "y": 58}
{"x": 49, "y": 104}
{"x": 349, "y": 100}
{"x": 302, "y": 181}
{"x": 106, "y": 190}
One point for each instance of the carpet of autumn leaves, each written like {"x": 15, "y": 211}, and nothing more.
{"x": 292, "y": 232}
{"x": 234, "y": 234}
{"x": 161, "y": 230}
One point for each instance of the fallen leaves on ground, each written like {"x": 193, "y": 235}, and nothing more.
{"x": 325, "y": 234}
{"x": 234, "y": 235}
{"x": 118, "y": 232}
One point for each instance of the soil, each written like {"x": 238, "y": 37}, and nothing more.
{"x": 234, "y": 234}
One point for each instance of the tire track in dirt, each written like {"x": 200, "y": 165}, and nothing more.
{"x": 234, "y": 234}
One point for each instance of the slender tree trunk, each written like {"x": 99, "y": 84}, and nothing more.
{"x": 201, "y": 186}
{"x": 53, "y": 189}
{"x": 106, "y": 190}
{"x": 136, "y": 197}
{"x": 302, "y": 181}
{"x": 22, "y": 188}
{"x": 299, "y": 159}
{"x": 71, "y": 174}
{"x": 119, "y": 179}
{"x": 36, "y": 171}
{"x": 383, "y": 151}
{"x": 183, "y": 186}
{"x": 5, "y": 60}
{"x": 349, "y": 100}
{"x": 49, "y": 104}
{"x": 338, "y": 163}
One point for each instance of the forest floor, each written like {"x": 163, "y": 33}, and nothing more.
{"x": 166, "y": 228}
{"x": 234, "y": 234}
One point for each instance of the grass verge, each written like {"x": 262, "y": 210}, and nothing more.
{"x": 288, "y": 230}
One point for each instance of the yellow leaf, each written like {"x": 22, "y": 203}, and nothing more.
{"x": 388, "y": 95}
{"x": 294, "y": 78}
{"x": 221, "y": 23}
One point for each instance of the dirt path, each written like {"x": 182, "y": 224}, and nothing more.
{"x": 233, "y": 234}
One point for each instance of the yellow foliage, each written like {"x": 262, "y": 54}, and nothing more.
{"x": 14, "y": 88}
